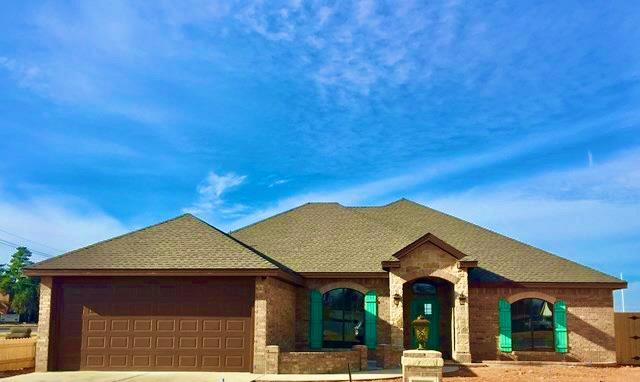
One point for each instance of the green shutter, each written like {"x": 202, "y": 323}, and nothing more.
{"x": 504, "y": 312}
{"x": 315, "y": 320}
{"x": 560, "y": 326}
{"x": 370, "y": 317}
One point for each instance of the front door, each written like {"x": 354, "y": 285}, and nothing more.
{"x": 429, "y": 307}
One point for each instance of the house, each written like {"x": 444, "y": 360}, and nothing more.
{"x": 342, "y": 282}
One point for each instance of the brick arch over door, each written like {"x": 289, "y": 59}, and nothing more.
{"x": 531, "y": 294}
{"x": 343, "y": 284}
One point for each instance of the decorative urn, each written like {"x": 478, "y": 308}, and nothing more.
{"x": 421, "y": 330}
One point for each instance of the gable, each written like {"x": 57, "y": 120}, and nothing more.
{"x": 185, "y": 242}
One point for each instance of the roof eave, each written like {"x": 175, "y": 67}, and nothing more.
{"x": 561, "y": 284}
{"x": 226, "y": 272}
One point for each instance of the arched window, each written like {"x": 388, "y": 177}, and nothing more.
{"x": 532, "y": 324}
{"x": 343, "y": 318}
{"x": 423, "y": 288}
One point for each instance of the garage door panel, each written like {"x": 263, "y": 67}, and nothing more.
{"x": 158, "y": 329}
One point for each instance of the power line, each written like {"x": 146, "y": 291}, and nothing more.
{"x": 31, "y": 241}
{"x": 35, "y": 252}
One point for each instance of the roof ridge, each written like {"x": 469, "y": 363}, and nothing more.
{"x": 186, "y": 214}
{"x": 280, "y": 214}
{"x": 505, "y": 236}
{"x": 247, "y": 246}
{"x": 383, "y": 205}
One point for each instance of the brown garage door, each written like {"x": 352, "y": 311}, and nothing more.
{"x": 131, "y": 323}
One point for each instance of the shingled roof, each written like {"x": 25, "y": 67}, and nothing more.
{"x": 184, "y": 242}
{"x": 328, "y": 237}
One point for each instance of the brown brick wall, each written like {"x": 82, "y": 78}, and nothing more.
{"x": 281, "y": 315}
{"x": 274, "y": 315}
{"x": 44, "y": 319}
{"x": 380, "y": 285}
{"x": 313, "y": 362}
{"x": 590, "y": 324}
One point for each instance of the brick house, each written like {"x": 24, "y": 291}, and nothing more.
{"x": 314, "y": 288}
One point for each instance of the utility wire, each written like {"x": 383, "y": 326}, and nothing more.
{"x": 31, "y": 241}
{"x": 35, "y": 252}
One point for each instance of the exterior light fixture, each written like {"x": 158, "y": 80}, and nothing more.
{"x": 397, "y": 299}
{"x": 462, "y": 298}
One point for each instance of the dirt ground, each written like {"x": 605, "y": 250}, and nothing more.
{"x": 546, "y": 374}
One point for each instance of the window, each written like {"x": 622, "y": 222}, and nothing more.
{"x": 343, "y": 318}
{"x": 532, "y": 325}
{"x": 423, "y": 289}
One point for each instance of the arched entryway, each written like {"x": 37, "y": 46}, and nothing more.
{"x": 434, "y": 298}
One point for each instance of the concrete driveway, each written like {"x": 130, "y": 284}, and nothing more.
{"x": 133, "y": 376}
{"x": 206, "y": 376}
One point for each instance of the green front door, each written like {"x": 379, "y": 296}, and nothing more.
{"x": 429, "y": 307}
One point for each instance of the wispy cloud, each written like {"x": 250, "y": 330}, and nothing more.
{"x": 384, "y": 188}
{"x": 278, "y": 182}
{"x": 98, "y": 56}
{"x": 587, "y": 215}
{"x": 58, "y": 221}
{"x": 211, "y": 192}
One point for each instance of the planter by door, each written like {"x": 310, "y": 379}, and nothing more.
{"x": 430, "y": 308}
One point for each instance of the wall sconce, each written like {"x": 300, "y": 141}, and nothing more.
{"x": 462, "y": 298}
{"x": 397, "y": 299}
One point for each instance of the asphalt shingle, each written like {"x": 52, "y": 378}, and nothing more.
{"x": 184, "y": 242}
{"x": 328, "y": 237}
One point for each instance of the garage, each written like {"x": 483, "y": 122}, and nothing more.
{"x": 153, "y": 323}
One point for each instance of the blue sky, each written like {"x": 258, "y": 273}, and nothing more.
{"x": 521, "y": 117}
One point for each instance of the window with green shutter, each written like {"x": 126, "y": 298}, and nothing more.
{"x": 560, "y": 326}
{"x": 315, "y": 319}
{"x": 370, "y": 318}
{"x": 504, "y": 315}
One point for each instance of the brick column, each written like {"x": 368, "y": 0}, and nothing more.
{"x": 461, "y": 348}
{"x": 364, "y": 357}
{"x": 260, "y": 326}
{"x": 272, "y": 359}
{"x": 44, "y": 324}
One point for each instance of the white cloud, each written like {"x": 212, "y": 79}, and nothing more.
{"x": 563, "y": 206}
{"x": 586, "y": 214}
{"x": 278, "y": 182}
{"x": 386, "y": 188}
{"x": 210, "y": 193}
{"x": 59, "y": 222}
{"x": 589, "y": 215}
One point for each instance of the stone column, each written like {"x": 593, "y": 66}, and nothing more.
{"x": 44, "y": 324}
{"x": 461, "y": 349}
{"x": 396, "y": 316}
